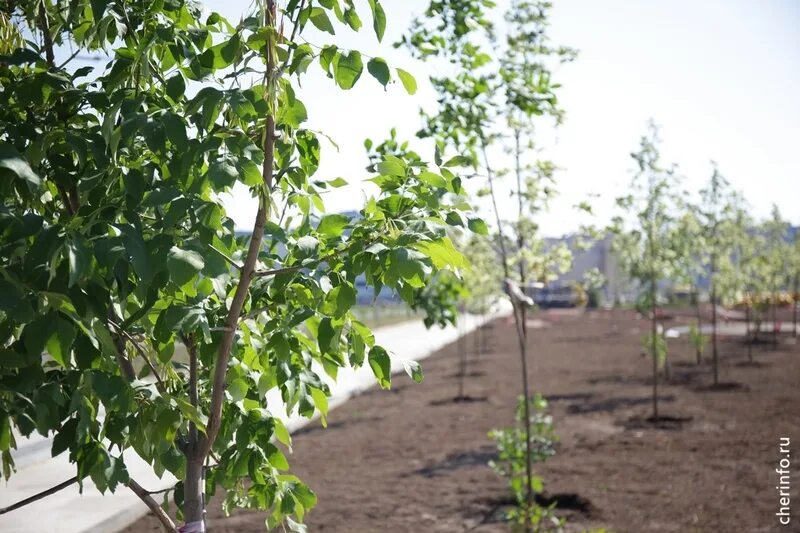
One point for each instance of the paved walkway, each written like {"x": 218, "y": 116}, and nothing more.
{"x": 732, "y": 329}
{"x": 69, "y": 511}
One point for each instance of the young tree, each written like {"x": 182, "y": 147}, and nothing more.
{"x": 688, "y": 242}
{"x": 778, "y": 262}
{"x": 641, "y": 240}
{"x": 716, "y": 212}
{"x": 489, "y": 89}
{"x": 116, "y": 245}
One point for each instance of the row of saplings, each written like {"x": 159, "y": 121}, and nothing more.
{"x": 513, "y": 448}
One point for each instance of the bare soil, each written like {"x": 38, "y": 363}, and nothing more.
{"x": 414, "y": 460}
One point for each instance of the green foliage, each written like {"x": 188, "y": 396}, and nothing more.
{"x": 440, "y": 299}
{"x": 117, "y": 248}
{"x": 697, "y": 339}
{"x": 512, "y": 459}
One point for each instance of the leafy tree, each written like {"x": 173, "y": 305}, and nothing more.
{"x": 778, "y": 255}
{"x": 688, "y": 242}
{"x": 488, "y": 88}
{"x": 116, "y": 246}
{"x": 716, "y": 211}
{"x": 641, "y": 239}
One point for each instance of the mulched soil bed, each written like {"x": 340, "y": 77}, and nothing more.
{"x": 414, "y": 460}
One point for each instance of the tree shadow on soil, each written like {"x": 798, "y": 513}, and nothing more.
{"x": 456, "y": 461}
{"x": 726, "y": 386}
{"x": 752, "y": 364}
{"x": 466, "y": 398}
{"x": 609, "y": 405}
{"x": 472, "y": 374}
{"x": 311, "y": 427}
{"x": 665, "y": 422}
{"x": 569, "y": 397}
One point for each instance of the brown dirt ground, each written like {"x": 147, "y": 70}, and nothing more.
{"x": 412, "y": 460}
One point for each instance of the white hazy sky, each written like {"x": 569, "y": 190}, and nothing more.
{"x": 722, "y": 78}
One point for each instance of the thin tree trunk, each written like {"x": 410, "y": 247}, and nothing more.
{"x": 522, "y": 336}
{"x": 654, "y": 346}
{"x": 748, "y": 333}
{"x": 774, "y": 319}
{"x": 699, "y": 316}
{"x": 714, "y": 321}
{"x": 194, "y": 486}
{"x": 519, "y": 320}
{"x": 795, "y": 296}
{"x": 462, "y": 360}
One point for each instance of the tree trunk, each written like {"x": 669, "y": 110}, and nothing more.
{"x": 795, "y": 295}
{"x": 714, "y": 322}
{"x": 699, "y": 316}
{"x": 774, "y": 320}
{"x": 462, "y": 360}
{"x": 748, "y": 334}
{"x": 194, "y": 495}
{"x": 654, "y": 343}
{"x": 522, "y": 335}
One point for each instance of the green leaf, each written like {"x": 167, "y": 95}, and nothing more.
{"x": 408, "y": 81}
{"x": 379, "y": 70}
{"x": 98, "y": 10}
{"x": 321, "y": 402}
{"x": 79, "y": 260}
{"x": 183, "y": 265}
{"x": 392, "y": 166}
{"x": 432, "y": 179}
{"x": 442, "y": 253}
{"x": 414, "y": 370}
{"x": 191, "y": 413}
{"x": 326, "y": 336}
{"x": 59, "y": 345}
{"x": 381, "y": 366}
{"x": 477, "y": 225}
{"x": 319, "y": 18}
{"x": 176, "y": 86}
{"x": 222, "y": 174}
{"x": 13, "y": 161}
{"x": 378, "y": 18}
{"x": 347, "y": 69}
{"x": 282, "y": 433}
{"x": 333, "y": 225}
{"x": 352, "y": 19}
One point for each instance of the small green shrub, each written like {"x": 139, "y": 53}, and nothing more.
{"x": 511, "y": 462}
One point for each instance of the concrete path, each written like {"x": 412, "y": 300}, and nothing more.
{"x": 69, "y": 511}
{"x": 729, "y": 329}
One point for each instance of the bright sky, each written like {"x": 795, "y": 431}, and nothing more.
{"x": 720, "y": 77}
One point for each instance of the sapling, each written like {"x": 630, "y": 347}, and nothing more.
{"x": 642, "y": 237}
{"x": 489, "y": 89}
{"x": 688, "y": 242}
{"x": 778, "y": 263}
{"x": 513, "y": 453}
{"x": 716, "y": 211}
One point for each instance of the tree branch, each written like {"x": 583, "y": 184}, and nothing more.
{"x": 248, "y": 268}
{"x": 126, "y": 368}
{"x": 155, "y": 508}
{"x": 39, "y": 496}
{"x": 276, "y": 271}
{"x": 47, "y": 39}
{"x": 139, "y": 349}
